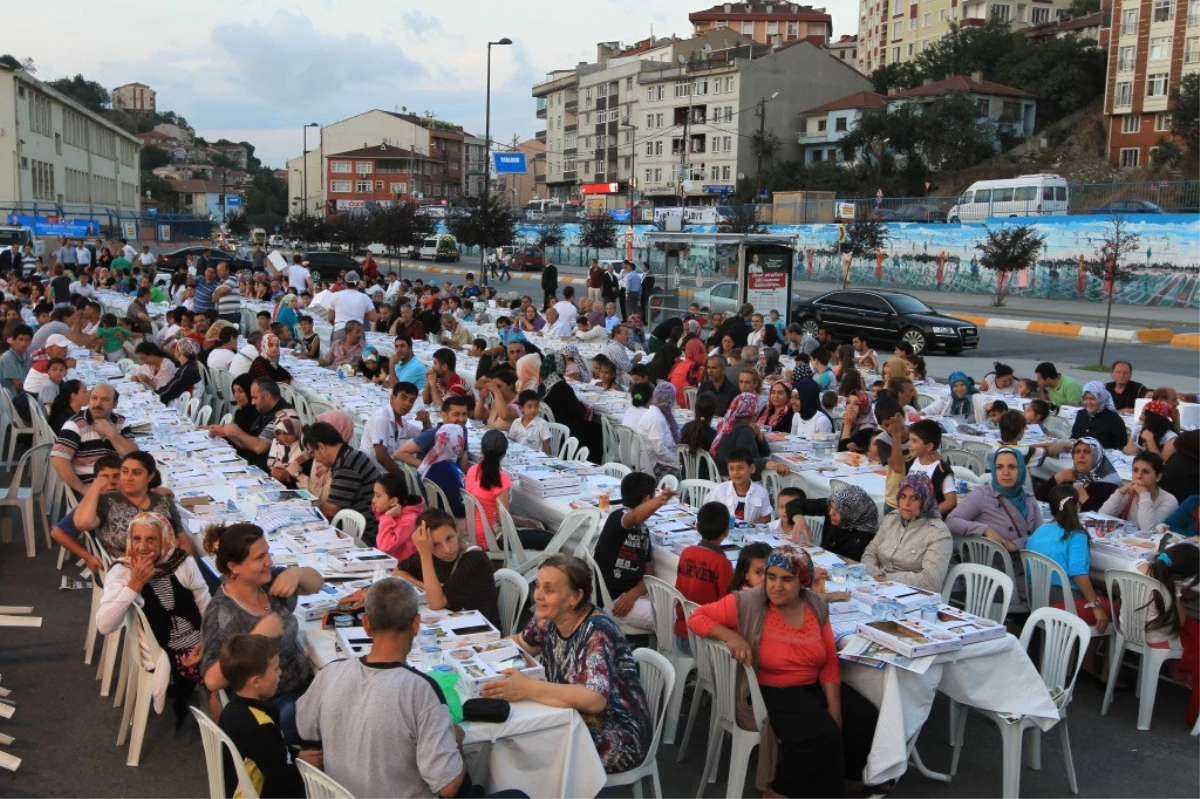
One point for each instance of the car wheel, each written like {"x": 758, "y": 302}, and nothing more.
{"x": 914, "y": 337}
{"x": 809, "y": 326}
{"x": 953, "y": 220}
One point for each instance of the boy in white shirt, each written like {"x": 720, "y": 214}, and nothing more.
{"x": 747, "y": 501}
{"x": 530, "y": 429}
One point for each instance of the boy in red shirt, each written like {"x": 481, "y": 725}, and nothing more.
{"x": 704, "y": 570}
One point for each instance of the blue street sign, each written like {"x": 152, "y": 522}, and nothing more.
{"x": 717, "y": 189}
{"x": 510, "y": 163}
{"x": 277, "y": 228}
{"x": 764, "y": 193}
{"x": 233, "y": 201}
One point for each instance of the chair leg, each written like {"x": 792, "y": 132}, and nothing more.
{"x": 62, "y": 557}
{"x": 739, "y": 761}
{"x": 109, "y": 660}
{"x": 141, "y": 715}
{"x": 30, "y": 529}
{"x": 674, "y": 708}
{"x": 89, "y": 643}
{"x": 1011, "y": 735}
{"x": 45, "y": 517}
{"x": 719, "y": 735}
{"x": 1033, "y": 755}
{"x": 693, "y": 711}
{"x": 960, "y": 728}
{"x": 637, "y": 788}
{"x": 1070, "y": 761}
{"x": 1114, "y": 666}
{"x": 127, "y": 712}
{"x": 1148, "y": 681}
{"x": 658, "y": 794}
{"x": 953, "y": 737}
{"x": 710, "y": 762}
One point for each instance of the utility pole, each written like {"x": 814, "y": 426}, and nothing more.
{"x": 762, "y": 124}
{"x": 683, "y": 167}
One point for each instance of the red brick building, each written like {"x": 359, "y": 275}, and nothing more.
{"x": 379, "y": 176}
{"x": 766, "y": 21}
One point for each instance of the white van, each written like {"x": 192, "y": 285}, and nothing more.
{"x": 440, "y": 248}
{"x": 1027, "y": 195}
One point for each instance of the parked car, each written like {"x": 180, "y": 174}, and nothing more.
{"x": 177, "y": 259}
{"x": 328, "y": 262}
{"x": 1027, "y": 195}
{"x": 528, "y": 258}
{"x": 886, "y": 317}
{"x": 920, "y": 213}
{"x": 722, "y": 298}
{"x": 1128, "y": 207}
{"x": 885, "y": 215}
{"x": 443, "y": 247}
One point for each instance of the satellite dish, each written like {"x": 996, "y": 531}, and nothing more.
{"x": 741, "y": 175}
{"x": 687, "y": 186}
{"x": 708, "y": 48}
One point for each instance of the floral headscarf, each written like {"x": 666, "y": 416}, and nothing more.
{"x": 744, "y": 406}
{"x": 554, "y": 369}
{"x": 664, "y": 398}
{"x": 1015, "y": 494}
{"x": 923, "y": 486}
{"x": 169, "y": 556}
{"x": 447, "y": 447}
{"x": 857, "y": 510}
{"x": 771, "y": 415}
{"x": 802, "y": 372}
{"x": 528, "y": 368}
{"x": 187, "y": 347}
{"x": 1102, "y": 395}
{"x": 961, "y": 407}
{"x": 572, "y": 354}
{"x": 1159, "y": 407}
{"x": 1102, "y": 470}
{"x": 266, "y": 340}
{"x": 795, "y": 561}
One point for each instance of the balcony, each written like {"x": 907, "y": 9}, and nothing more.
{"x": 572, "y": 104}
{"x": 540, "y": 136}
{"x": 540, "y": 177}
{"x": 540, "y": 157}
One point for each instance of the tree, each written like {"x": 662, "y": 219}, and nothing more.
{"x": 551, "y": 235}
{"x": 1112, "y": 265}
{"x": 158, "y": 188}
{"x": 266, "y": 195}
{"x": 153, "y": 157}
{"x": 1167, "y": 154}
{"x": 863, "y": 237}
{"x": 307, "y": 228}
{"x": 237, "y": 224}
{"x": 954, "y": 136}
{"x": 10, "y": 61}
{"x": 1185, "y": 113}
{"x": 741, "y": 219}
{"x": 400, "y": 225}
{"x": 487, "y": 222}
{"x": 87, "y": 93}
{"x": 897, "y": 75}
{"x": 350, "y": 229}
{"x": 1008, "y": 250}
{"x": 1081, "y": 8}
{"x": 598, "y": 232}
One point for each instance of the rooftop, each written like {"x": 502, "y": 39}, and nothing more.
{"x": 378, "y": 151}
{"x": 857, "y": 100}
{"x": 1066, "y": 26}
{"x": 961, "y": 83}
{"x": 197, "y": 187}
{"x": 759, "y": 10}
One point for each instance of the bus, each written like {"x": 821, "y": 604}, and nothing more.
{"x": 1027, "y": 195}
{"x": 258, "y": 236}
{"x": 541, "y": 210}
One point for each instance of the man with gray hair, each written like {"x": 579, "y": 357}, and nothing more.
{"x": 382, "y": 724}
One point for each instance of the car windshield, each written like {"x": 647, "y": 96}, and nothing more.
{"x": 906, "y": 304}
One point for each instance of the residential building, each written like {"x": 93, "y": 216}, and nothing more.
{"x": 1151, "y": 46}
{"x": 891, "y": 32}
{"x": 378, "y": 176}
{"x": 1087, "y": 26}
{"x": 134, "y": 98}
{"x": 823, "y": 126}
{"x": 766, "y": 21}
{"x": 237, "y": 154}
{"x": 474, "y": 164}
{"x": 202, "y": 197}
{"x": 519, "y": 189}
{"x": 156, "y": 139}
{"x": 1011, "y": 110}
{"x": 846, "y": 48}
{"x": 54, "y": 151}
{"x": 179, "y": 133}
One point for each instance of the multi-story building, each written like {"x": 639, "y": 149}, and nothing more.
{"x": 766, "y": 21}
{"x": 203, "y": 197}
{"x": 1010, "y": 110}
{"x": 236, "y": 154}
{"x": 1152, "y": 44}
{"x": 55, "y": 151}
{"x": 519, "y": 189}
{"x": 379, "y": 175}
{"x": 822, "y": 127}
{"x": 134, "y": 98}
{"x": 892, "y": 31}
{"x": 846, "y": 48}
{"x": 474, "y": 163}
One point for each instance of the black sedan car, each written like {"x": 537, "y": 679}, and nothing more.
{"x": 886, "y": 317}
{"x": 328, "y": 262}
{"x": 177, "y": 260}
{"x": 1128, "y": 207}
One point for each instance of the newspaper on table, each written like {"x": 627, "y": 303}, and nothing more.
{"x": 868, "y": 653}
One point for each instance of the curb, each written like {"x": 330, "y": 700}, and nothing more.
{"x": 1190, "y": 342}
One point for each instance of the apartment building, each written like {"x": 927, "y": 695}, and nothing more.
{"x": 474, "y": 163}
{"x": 824, "y": 126}
{"x": 846, "y": 49}
{"x": 1151, "y": 46}
{"x": 892, "y": 31}
{"x": 55, "y": 151}
{"x": 135, "y": 98}
{"x": 766, "y": 21}
{"x": 379, "y": 175}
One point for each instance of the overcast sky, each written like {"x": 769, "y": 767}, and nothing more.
{"x": 257, "y": 71}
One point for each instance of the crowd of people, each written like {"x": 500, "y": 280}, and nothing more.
{"x": 380, "y": 727}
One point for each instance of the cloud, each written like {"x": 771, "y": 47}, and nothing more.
{"x": 420, "y": 24}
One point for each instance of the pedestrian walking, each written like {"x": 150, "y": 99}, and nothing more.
{"x": 549, "y": 285}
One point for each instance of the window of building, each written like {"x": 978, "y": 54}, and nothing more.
{"x": 729, "y": 84}
{"x": 1125, "y": 58}
{"x": 58, "y": 144}
{"x": 942, "y": 15}
{"x": 1156, "y": 85}
{"x": 399, "y": 188}
{"x": 912, "y": 50}
{"x": 683, "y": 89}
{"x": 728, "y": 144}
{"x": 895, "y": 54}
{"x": 649, "y": 148}
{"x": 725, "y": 173}
{"x": 715, "y": 144}
{"x": 1162, "y": 11}
{"x": 1130, "y": 156}
{"x": 1124, "y": 93}
{"x": 1001, "y": 12}
{"x": 927, "y": 20}
{"x": 1131, "y": 123}
{"x": 839, "y": 124}
{"x": 1160, "y": 48}
{"x": 984, "y": 105}
{"x": 1191, "y": 49}
{"x": 793, "y": 29}
{"x": 379, "y": 185}
{"x": 649, "y": 175}
{"x": 1162, "y": 122}
{"x": 601, "y": 141}
{"x": 1129, "y": 22}
{"x": 602, "y": 90}
{"x": 339, "y": 186}
{"x": 714, "y": 173}
{"x": 701, "y": 86}
{"x": 649, "y": 120}
{"x": 1039, "y": 16}
{"x": 42, "y": 174}
{"x": 363, "y": 167}
{"x": 599, "y": 166}
{"x": 340, "y": 167}
{"x": 587, "y": 167}
{"x": 912, "y": 23}
{"x": 818, "y": 155}
{"x": 39, "y": 114}
{"x": 1193, "y": 13}
{"x": 362, "y": 186}
{"x": 772, "y": 28}
{"x": 897, "y": 29}
{"x": 747, "y": 28}
{"x": 822, "y": 125}
{"x": 629, "y": 84}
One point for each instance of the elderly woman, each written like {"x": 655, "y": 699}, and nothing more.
{"x": 652, "y": 419}
{"x": 589, "y": 665}
{"x": 957, "y": 404}
{"x": 258, "y": 597}
{"x": 1157, "y": 432}
{"x": 110, "y": 514}
{"x": 738, "y": 430}
{"x": 568, "y": 409}
{"x": 267, "y": 362}
{"x": 777, "y": 414}
{"x": 820, "y": 731}
{"x": 454, "y": 573}
{"x": 851, "y": 520}
{"x": 1099, "y": 418}
{"x": 531, "y": 321}
{"x": 166, "y": 583}
{"x": 913, "y": 545}
{"x": 157, "y": 367}
{"x": 186, "y": 375}
{"x": 689, "y": 372}
{"x": 1093, "y": 475}
{"x": 287, "y": 459}
{"x": 440, "y": 465}
{"x": 577, "y": 368}
{"x": 286, "y": 315}
{"x": 1004, "y": 512}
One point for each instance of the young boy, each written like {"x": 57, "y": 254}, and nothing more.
{"x": 995, "y": 410}
{"x": 704, "y": 571}
{"x": 782, "y": 525}
{"x": 308, "y": 346}
{"x": 114, "y": 337}
{"x": 530, "y": 429}
{"x": 66, "y": 534}
{"x": 251, "y": 665}
{"x": 639, "y": 374}
{"x": 747, "y": 501}
{"x": 623, "y": 550}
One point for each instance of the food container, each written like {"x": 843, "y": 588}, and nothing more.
{"x": 343, "y": 620}
{"x": 911, "y": 638}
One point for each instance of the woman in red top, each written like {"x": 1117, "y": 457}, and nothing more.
{"x": 824, "y": 731}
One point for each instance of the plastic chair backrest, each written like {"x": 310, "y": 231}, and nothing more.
{"x": 695, "y": 492}
{"x": 1065, "y": 639}
{"x": 1039, "y": 570}
{"x": 693, "y": 460}
{"x": 508, "y": 532}
{"x": 145, "y": 638}
{"x": 512, "y": 592}
{"x": 203, "y": 415}
{"x": 969, "y": 460}
{"x": 668, "y": 481}
{"x": 319, "y": 785}
{"x": 474, "y": 509}
{"x": 1057, "y": 426}
{"x": 665, "y": 598}
{"x": 545, "y": 412}
{"x": 629, "y": 448}
{"x": 835, "y": 484}
{"x": 985, "y": 552}
{"x": 615, "y": 469}
{"x": 600, "y": 589}
{"x": 352, "y": 523}
{"x": 924, "y": 401}
{"x": 35, "y": 461}
{"x": 318, "y": 407}
{"x": 978, "y": 449}
{"x": 436, "y": 497}
{"x": 412, "y": 480}
{"x": 215, "y": 741}
{"x": 559, "y": 433}
{"x": 963, "y": 473}
{"x": 658, "y": 678}
{"x": 581, "y": 454}
{"x": 982, "y": 584}
{"x": 722, "y": 670}
{"x": 569, "y": 448}
{"x": 816, "y": 527}
{"x": 227, "y": 418}
{"x": 689, "y": 397}
{"x": 609, "y": 438}
{"x": 584, "y": 522}
{"x": 1136, "y": 606}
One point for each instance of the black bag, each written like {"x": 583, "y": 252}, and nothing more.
{"x": 490, "y": 710}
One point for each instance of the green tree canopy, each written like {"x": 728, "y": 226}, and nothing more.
{"x": 87, "y": 93}
{"x": 153, "y": 157}
{"x": 1185, "y": 114}
{"x": 487, "y": 222}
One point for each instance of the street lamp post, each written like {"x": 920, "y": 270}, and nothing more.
{"x": 632, "y": 164}
{"x": 485, "y": 201}
{"x": 304, "y": 165}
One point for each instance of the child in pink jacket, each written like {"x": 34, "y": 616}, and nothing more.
{"x": 397, "y": 514}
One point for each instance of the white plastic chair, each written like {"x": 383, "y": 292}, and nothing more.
{"x": 227, "y": 419}
{"x": 126, "y": 365}
{"x": 977, "y": 448}
{"x": 630, "y": 449}
{"x": 1135, "y": 592}
{"x": 1039, "y": 571}
{"x": 142, "y": 650}
{"x": 982, "y": 584}
{"x": 963, "y": 473}
{"x": 689, "y": 397}
{"x": 1063, "y": 646}
{"x": 925, "y": 400}
{"x": 668, "y": 481}
{"x": 569, "y": 448}
{"x": 14, "y": 426}
{"x": 582, "y": 524}
{"x": 835, "y": 484}
{"x": 582, "y": 454}
{"x": 695, "y": 492}
{"x": 215, "y": 741}
{"x": 352, "y": 523}
{"x": 658, "y": 680}
{"x": 601, "y": 596}
{"x": 816, "y": 528}
{"x": 1057, "y": 427}
{"x": 609, "y": 438}
{"x": 693, "y": 459}
{"x": 984, "y": 551}
{"x": 967, "y": 460}
{"x": 319, "y": 785}
{"x": 510, "y": 540}
{"x": 412, "y": 480}
{"x": 617, "y": 470}
{"x": 545, "y": 412}
{"x": 436, "y": 497}
{"x": 497, "y": 553}
{"x": 724, "y": 671}
{"x": 31, "y": 501}
{"x": 559, "y": 433}
{"x": 203, "y": 415}
{"x": 318, "y": 407}
{"x": 703, "y": 686}
{"x": 191, "y": 407}
{"x": 512, "y": 592}
{"x": 666, "y": 598}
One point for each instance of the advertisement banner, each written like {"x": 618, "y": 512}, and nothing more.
{"x": 164, "y": 232}
{"x": 52, "y": 225}
{"x": 129, "y": 230}
{"x": 767, "y": 278}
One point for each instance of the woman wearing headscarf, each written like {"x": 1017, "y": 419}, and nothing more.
{"x": 663, "y": 363}
{"x": 285, "y": 314}
{"x": 688, "y": 372}
{"x": 957, "y": 403}
{"x": 851, "y": 521}
{"x": 577, "y": 367}
{"x": 666, "y": 457}
{"x": 820, "y": 731}
{"x": 777, "y": 413}
{"x": 267, "y": 362}
{"x": 317, "y": 482}
{"x": 287, "y": 459}
{"x": 186, "y": 375}
{"x": 372, "y": 365}
{"x": 440, "y": 465}
{"x": 244, "y": 412}
{"x": 1004, "y": 511}
{"x": 568, "y": 409}
{"x": 1092, "y": 473}
{"x": 528, "y": 368}
{"x": 738, "y": 430}
{"x": 913, "y": 545}
{"x": 1099, "y": 418}
{"x": 636, "y": 334}
{"x": 166, "y": 583}
{"x": 1181, "y": 474}
{"x": 1157, "y": 433}
{"x": 808, "y": 417}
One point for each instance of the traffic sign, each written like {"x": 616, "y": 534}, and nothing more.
{"x": 233, "y": 201}
{"x": 277, "y": 228}
{"x": 509, "y": 163}
{"x": 764, "y": 193}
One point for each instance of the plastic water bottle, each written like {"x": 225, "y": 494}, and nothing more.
{"x": 447, "y": 679}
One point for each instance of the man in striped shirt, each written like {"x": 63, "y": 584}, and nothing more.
{"x": 228, "y": 296}
{"x": 90, "y": 435}
{"x": 352, "y": 476}
{"x": 204, "y": 285}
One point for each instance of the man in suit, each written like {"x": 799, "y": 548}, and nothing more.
{"x": 549, "y": 284}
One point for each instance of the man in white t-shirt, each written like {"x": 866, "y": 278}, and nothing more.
{"x": 566, "y": 313}
{"x": 145, "y": 257}
{"x": 350, "y": 305}
{"x": 127, "y": 250}
{"x": 298, "y": 276}
{"x": 223, "y": 353}
{"x": 83, "y": 256}
{"x": 387, "y": 429}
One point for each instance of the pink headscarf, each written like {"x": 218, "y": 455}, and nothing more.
{"x": 344, "y": 424}
{"x": 744, "y": 406}
{"x": 448, "y": 446}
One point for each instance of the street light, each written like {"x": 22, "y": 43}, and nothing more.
{"x": 487, "y": 148}
{"x": 304, "y": 159}
{"x": 762, "y": 117}
{"x": 632, "y": 163}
